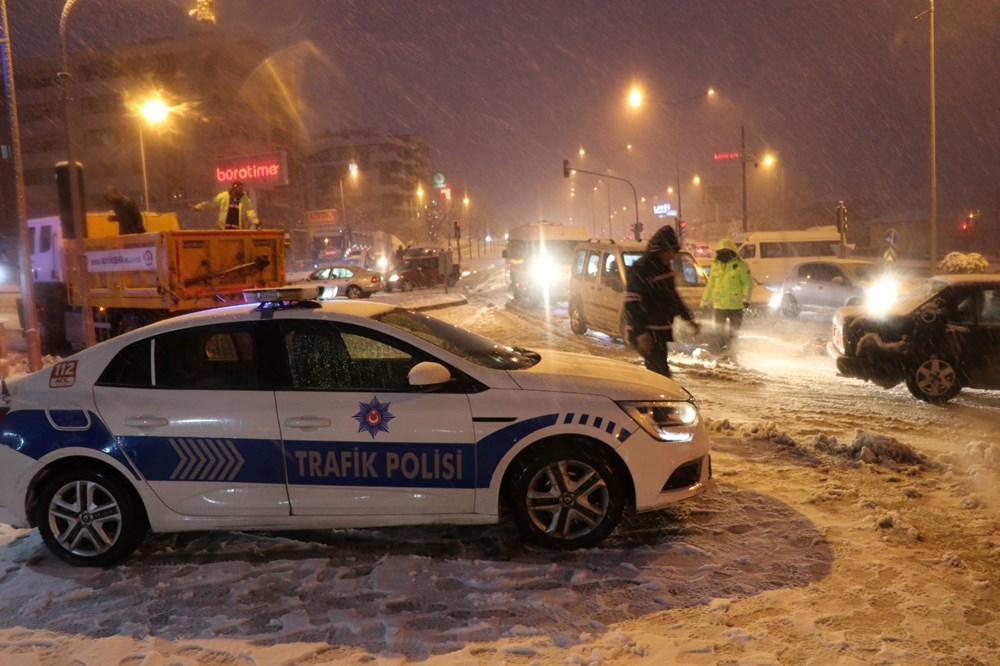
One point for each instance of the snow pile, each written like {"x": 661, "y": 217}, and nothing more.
{"x": 960, "y": 262}
{"x": 984, "y": 454}
{"x": 766, "y": 430}
{"x": 871, "y": 448}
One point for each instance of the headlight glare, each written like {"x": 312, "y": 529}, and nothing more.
{"x": 881, "y": 295}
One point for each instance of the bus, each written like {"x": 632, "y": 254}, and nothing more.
{"x": 328, "y": 243}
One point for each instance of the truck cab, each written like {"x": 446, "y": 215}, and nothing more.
{"x": 538, "y": 259}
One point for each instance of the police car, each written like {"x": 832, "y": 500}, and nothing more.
{"x": 289, "y": 413}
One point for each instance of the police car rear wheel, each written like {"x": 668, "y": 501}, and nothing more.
{"x": 89, "y": 517}
{"x": 567, "y": 497}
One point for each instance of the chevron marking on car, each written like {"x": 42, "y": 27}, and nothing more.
{"x": 206, "y": 460}
{"x": 598, "y": 422}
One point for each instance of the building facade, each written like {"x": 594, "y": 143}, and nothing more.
{"x": 220, "y": 110}
{"x": 382, "y": 193}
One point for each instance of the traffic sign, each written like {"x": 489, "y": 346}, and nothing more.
{"x": 891, "y": 237}
{"x": 330, "y": 252}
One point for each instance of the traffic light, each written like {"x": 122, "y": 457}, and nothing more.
{"x": 841, "y": 217}
{"x": 637, "y": 231}
{"x": 566, "y": 169}
{"x": 65, "y": 203}
{"x": 681, "y": 228}
{"x": 458, "y": 228}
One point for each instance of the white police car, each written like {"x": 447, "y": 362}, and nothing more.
{"x": 291, "y": 414}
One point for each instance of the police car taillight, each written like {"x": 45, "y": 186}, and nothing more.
{"x": 282, "y": 294}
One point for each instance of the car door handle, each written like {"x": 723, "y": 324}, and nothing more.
{"x": 146, "y": 422}
{"x": 308, "y": 422}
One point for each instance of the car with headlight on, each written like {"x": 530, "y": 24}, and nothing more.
{"x": 823, "y": 286}
{"x": 938, "y": 338}
{"x": 350, "y": 280}
{"x": 291, "y": 413}
{"x": 598, "y": 277}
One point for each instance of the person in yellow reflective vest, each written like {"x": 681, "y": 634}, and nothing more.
{"x": 235, "y": 209}
{"x": 728, "y": 291}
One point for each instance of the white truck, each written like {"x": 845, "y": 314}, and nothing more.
{"x": 771, "y": 254}
{"x": 538, "y": 258}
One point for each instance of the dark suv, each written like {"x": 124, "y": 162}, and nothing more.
{"x": 938, "y": 338}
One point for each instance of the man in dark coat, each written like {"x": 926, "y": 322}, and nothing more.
{"x": 652, "y": 301}
{"x": 127, "y": 213}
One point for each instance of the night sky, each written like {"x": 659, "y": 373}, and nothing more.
{"x": 504, "y": 90}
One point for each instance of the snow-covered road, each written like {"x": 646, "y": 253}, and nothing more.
{"x": 806, "y": 554}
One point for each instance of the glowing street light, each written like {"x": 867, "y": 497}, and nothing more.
{"x": 352, "y": 171}
{"x": 636, "y": 98}
{"x": 153, "y": 111}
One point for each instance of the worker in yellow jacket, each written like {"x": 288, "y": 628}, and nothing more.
{"x": 728, "y": 291}
{"x": 235, "y": 209}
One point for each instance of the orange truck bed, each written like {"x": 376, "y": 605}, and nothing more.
{"x": 176, "y": 270}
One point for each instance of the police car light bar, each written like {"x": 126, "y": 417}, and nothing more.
{"x": 282, "y": 294}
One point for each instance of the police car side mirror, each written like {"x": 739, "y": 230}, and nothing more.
{"x": 428, "y": 373}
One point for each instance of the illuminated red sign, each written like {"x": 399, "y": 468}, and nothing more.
{"x": 265, "y": 169}
{"x": 726, "y": 156}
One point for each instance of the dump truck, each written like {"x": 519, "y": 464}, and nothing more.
{"x": 136, "y": 279}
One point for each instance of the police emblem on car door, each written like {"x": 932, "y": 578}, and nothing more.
{"x": 358, "y": 438}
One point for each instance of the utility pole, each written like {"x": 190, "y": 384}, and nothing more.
{"x": 73, "y": 169}
{"x": 27, "y": 284}
{"x": 743, "y": 165}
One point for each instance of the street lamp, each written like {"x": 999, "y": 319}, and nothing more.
{"x": 352, "y": 171}
{"x": 635, "y": 100}
{"x": 75, "y": 193}
{"x": 929, "y": 12}
{"x": 153, "y": 111}
{"x": 770, "y": 161}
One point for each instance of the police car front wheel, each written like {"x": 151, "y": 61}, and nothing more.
{"x": 567, "y": 497}
{"x": 89, "y": 517}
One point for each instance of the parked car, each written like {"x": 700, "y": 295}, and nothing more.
{"x": 823, "y": 286}
{"x": 938, "y": 338}
{"x": 296, "y": 414}
{"x": 597, "y": 285}
{"x": 348, "y": 280}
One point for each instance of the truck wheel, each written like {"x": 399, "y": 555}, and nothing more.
{"x": 566, "y": 496}
{"x": 577, "y": 322}
{"x": 89, "y": 517}
{"x": 934, "y": 380}
{"x": 789, "y": 306}
{"x": 353, "y": 291}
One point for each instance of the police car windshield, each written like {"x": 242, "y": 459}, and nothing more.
{"x": 473, "y": 348}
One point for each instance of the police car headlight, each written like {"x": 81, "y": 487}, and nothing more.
{"x": 660, "y": 419}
